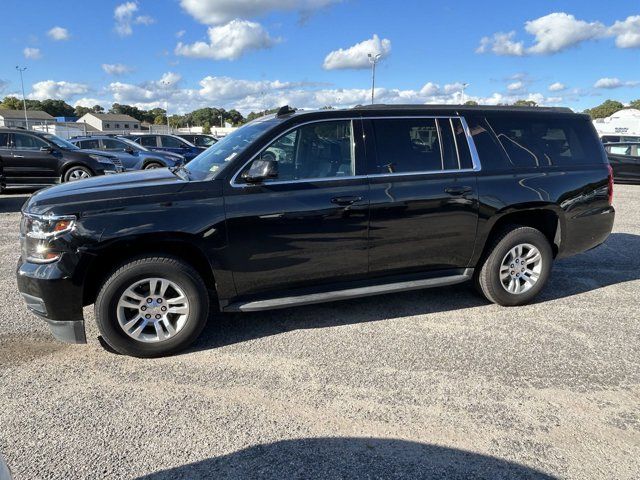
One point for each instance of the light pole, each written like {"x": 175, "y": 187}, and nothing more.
{"x": 373, "y": 60}
{"x": 166, "y": 110}
{"x": 24, "y": 101}
{"x": 464, "y": 86}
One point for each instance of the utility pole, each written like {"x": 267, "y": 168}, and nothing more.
{"x": 464, "y": 86}
{"x": 24, "y": 101}
{"x": 373, "y": 60}
{"x": 166, "y": 110}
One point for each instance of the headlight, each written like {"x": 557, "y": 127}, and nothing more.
{"x": 37, "y": 235}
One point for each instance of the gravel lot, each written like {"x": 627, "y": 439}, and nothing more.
{"x": 435, "y": 383}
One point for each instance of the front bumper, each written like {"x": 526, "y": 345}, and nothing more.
{"x": 51, "y": 294}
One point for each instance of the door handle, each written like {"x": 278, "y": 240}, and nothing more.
{"x": 458, "y": 191}
{"x": 345, "y": 201}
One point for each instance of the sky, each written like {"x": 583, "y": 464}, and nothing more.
{"x": 256, "y": 54}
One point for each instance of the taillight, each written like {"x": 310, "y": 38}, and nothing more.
{"x": 610, "y": 185}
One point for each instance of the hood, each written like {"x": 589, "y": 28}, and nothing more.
{"x": 105, "y": 192}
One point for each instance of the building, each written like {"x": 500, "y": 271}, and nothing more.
{"x": 111, "y": 122}
{"x": 15, "y": 118}
{"x": 625, "y": 123}
{"x": 61, "y": 129}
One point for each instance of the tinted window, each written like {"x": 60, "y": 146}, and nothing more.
{"x": 619, "y": 149}
{"x": 148, "y": 141}
{"x": 448, "y": 143}
{"x": 113, "y": 145}
{"x": 92, "y": 144}
{"x": 28, "y": 142}
{"x": 462, "y": 144}
{"x": 171, "y": 142}
{"x": 540, "y": 141}
{"x": 317, "y": 150}
{"x": 4, "y": 140}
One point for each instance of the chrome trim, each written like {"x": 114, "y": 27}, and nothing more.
{"x": 439, "y": 133}
{"x": 475, "y": 159}
{"x": 455, "y": 141}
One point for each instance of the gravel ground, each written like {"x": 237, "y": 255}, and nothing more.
{"x": 427, "y": 384}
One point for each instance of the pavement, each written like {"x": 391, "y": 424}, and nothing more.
{"x": 426, "y": 384}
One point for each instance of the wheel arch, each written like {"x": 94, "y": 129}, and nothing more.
{"x": 113, "y": 255}
{"x": 67, "y": 166}
{"x": 549, "y": 219}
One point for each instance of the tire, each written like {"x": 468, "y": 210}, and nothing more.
{"x": 151, "y": 337}
{"x": 152, "y": 165}
{"x": 77, "y": 172}
{"x": 504, "y": 290}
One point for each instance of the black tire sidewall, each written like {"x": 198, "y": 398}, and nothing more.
{"x": 515, "y": 237}
{"x": 67, "y": 173}
{"x": 185, "y": 277}
{"x": 152, "y": 165}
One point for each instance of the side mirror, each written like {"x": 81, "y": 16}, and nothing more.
{"x": 46, "y": 149}
{"x": 261, "y": 170}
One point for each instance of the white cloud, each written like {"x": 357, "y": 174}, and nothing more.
{"x": 214, "y": 12}
{"x": 501, "y": 44}
{"x": 124, "y": 15}
{"x": 59, "y": 33}
{"x": 557, "y": 87}
{"x": 89, "y": 102}
{"x": 627, "y": 32}
{"x": 558, "y": 31}
{"x": 32, "y": 53}
{"x": 611, "y": 83}
{"x": 116, "y": 68}
{"x": 229, "y": 41}
{"x": 58, "y": 90}
{"x": 180, "y": 33}
{"x": 516, "y": 86}
{"x": 357, "y": 55}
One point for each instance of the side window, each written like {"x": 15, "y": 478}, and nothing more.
{"x": 113, "y": 145}
{"x": 533, "y": 141}
{"x": 148, "y": 141}
{"x": 90, "y": 144}
{"x": 317, "y": 150}
{"x": 28, "y": 142}
{"x": 4, "y": 140}
{"x": 170, "y": 142}
{"x": 619, "y": 149}
{"x": 464, "y": 153}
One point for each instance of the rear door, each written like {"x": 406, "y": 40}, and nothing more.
{"x": 31, "y": 163}
{"x": 424, "y": 199}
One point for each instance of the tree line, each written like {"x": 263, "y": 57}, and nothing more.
{"x": 212, "y": 117}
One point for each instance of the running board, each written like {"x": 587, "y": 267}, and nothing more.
{"x": 297, "y": 301}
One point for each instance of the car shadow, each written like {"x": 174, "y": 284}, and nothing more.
{"x": 12, "y": 200}
{"x": 349, "y": 458}
{"x": 615, "y": 262}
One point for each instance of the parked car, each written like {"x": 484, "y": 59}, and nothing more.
{"x": 34, "y": 159}
{"x": 625, "y": 161}
{"x": 199, "y": 139}
{"x": 132, "y": 155}
{"x": 167, "y": 143}
{"x": 619, "y": 138}
{"x": 371, "y": 200}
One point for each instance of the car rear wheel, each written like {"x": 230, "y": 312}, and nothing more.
{"x": 151, "y": 165}
{"x": 152, "y": 306}
{"x": 516, "y": 267}
{"x": 77, "y": 173}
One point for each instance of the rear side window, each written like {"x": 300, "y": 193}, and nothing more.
{"x": 149, "y": 141}
{"x": 4, "y": 140}
{"x": 170, "y": 142}
{"x": 91, "y": 144}
{"x": 532, "y": 141}
{"x": 417, "y": 145}
{"x": 28, "y": 142}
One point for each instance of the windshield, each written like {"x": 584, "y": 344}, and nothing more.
{"x": 60, "y": 142}
{"x": 211, "y": 162}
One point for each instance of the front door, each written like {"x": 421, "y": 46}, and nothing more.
{"x": 307, "y": 226}
{"x": 32, "y": 161}
{"x": 424, "y": 200}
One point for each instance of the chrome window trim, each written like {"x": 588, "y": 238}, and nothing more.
{"x": 475, "y": 158}
{"x": 455, "y": 142}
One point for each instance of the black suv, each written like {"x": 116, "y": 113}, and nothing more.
{"x": 34, "y": 159}
{"x": 308, "y": 207}
{"x": 199, "y": 139}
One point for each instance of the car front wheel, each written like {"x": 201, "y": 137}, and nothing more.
{"x": 152, "y": 306}
{"x": 152, "y": 165}
{"x": 77, "y": 173}
{"x": 516, "y": 267}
